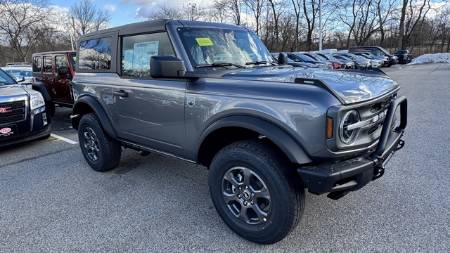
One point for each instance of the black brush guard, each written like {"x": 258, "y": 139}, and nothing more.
{"x": 341, "y": 177}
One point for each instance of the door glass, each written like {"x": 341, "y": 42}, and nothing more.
{"x": 137, "y": 50}
{"x": 95, "y": 54}
{"x": 73, "y": 60}
{"x": 60, "y": 61}
{"x": 37, "y": 64}
{"x": 47, "y": 64}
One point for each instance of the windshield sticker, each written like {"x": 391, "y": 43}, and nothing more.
{"x": 204, "y": 42}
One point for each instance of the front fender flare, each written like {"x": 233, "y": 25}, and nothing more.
{"x": 293, "y": 150}
{"x": 79, "y": 108}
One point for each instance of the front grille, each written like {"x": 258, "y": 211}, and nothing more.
{"x": 11, "y": 112}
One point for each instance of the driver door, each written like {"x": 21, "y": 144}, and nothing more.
{"x": 148, "y": 111}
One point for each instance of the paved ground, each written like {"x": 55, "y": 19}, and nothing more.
{"x": 52, "y": 201}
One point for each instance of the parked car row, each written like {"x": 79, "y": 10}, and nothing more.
{"x": 354, "y": 58}
{"x": 212, "y": 94}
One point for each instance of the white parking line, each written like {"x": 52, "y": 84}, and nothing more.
{"x": 64, "y": 139}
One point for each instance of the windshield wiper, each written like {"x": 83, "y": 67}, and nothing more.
{"x": 220, "y": 64}
{"x": 256, "y": 63}
{"x": 261, "y": 63}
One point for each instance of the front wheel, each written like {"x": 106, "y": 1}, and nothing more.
{"x": 101, "y": 152}
{"x": 50, "y": 108}
{"x": 257, "y": 195}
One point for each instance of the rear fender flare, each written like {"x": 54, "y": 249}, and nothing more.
{"x": 97, "y": 108}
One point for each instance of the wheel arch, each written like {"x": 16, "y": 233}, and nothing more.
{"x": 227, "y": 130}
{"x": 88, "y": 104}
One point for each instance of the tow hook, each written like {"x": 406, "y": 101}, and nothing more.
{"x": 400, "y": 145}
{"x": 378, "y": 172}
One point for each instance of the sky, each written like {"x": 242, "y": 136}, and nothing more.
{"x": 128, "y": 11}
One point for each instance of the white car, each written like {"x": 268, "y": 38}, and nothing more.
{"x": 22, "y": 73}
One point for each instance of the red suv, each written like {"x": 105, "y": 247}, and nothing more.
{"x": 52, "y": 76}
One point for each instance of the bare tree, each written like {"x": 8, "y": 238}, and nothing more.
{"x": 20, "y": 24}
{"x": 219, "y": 11}
{"x": 410, "y": 17}
{"x": 275, "y": 8}
{"x": 256, "y": 7}
{"x": 310, "y": 10}
{"x": 296, "y": 5}
{"x": 236, "y": 10}
{"x": 85, "y": 17}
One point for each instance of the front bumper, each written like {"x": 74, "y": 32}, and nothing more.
{"x": 32, "y": 128}
{"x": 341, "y": 177}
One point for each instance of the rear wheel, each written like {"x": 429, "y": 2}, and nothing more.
{"x": 257, "y": 195}
{"x": 101, "y": 152}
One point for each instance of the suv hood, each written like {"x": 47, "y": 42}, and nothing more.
{"x": 349, "y": 86}
{"x": 12, "y": 91}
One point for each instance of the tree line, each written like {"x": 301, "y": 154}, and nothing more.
{"x": 422, "y": 26}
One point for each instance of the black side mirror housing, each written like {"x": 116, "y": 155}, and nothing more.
{"x": 282, "y": 59}
{"x": 167, "y": 67}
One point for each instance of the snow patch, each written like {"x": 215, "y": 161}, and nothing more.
{"x": 432, "y": 58}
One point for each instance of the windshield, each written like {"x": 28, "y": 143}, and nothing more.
{"x": 19, "y": 72}
{"x": 342, "y": 57}
{"x": 300, "y": 58}
{"x": 6, "y": 79}
{"x": 313, "y": 57}
{"x": 322, "y": 57}
{"x": 209, "y": 46}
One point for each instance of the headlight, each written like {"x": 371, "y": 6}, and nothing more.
{"x": 349, "y": 135}
{"x": 36, "y": 101}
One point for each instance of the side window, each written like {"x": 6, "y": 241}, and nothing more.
{"x": 95, "y": 54}
{"x": 37, "y": 64}
{"x": 60, "y": 61}
{"x": 137, "y": 50}
{"x": 47, "y": 64}
{"x": 73, "y": 60}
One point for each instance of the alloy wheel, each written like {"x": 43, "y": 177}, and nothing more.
{"x": 90, "y": 144}
{"x": 246, "y": 195}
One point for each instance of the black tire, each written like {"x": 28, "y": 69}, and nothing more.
{"x": 50, "y": 108}
{"x": 101, "y": 152}
{"x": 284, "y": 186}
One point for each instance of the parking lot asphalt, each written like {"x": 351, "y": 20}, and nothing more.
{"x": 51, "y": 201}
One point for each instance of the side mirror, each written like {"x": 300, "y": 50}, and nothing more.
{"x": 166, "y": 67}
{"x": 282, "y": 59}
{"x": 62, "y": 71}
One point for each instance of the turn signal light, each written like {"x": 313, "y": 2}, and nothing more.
{"x": 330, "y": 127}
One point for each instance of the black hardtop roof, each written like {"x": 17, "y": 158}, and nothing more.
{"x": 159, "y": 25}
{"x": 54, "y": 52}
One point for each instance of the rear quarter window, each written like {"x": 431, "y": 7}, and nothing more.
{"x": 95, "y": 54}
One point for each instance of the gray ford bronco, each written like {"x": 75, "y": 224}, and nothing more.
{"x": 213, "y": 95}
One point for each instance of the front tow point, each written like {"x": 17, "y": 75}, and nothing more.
{"x": 378, "y": 172}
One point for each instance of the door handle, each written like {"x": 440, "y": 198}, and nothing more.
{"x": 120, "y": 93}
